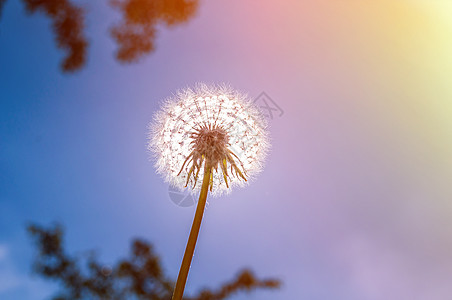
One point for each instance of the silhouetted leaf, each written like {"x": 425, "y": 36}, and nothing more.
{"x": 140, "y": 276}
{"x": 68, "y": 26}
{"x": 136, "y": 34}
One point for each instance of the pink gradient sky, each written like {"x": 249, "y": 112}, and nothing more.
{"x": 355, "y": 199}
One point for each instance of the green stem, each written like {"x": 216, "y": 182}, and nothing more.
{"x": 189, "y": 250}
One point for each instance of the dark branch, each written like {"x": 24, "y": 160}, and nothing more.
{"x": 140, "y": 276}
{"x": 68, "y": 26}
{"x": 136, "y": 34}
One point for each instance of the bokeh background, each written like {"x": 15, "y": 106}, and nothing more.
{"x": 355, "y": 201}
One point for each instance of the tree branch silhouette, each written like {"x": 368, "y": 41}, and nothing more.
{"x": 68, "y": 26}
{"x": 140, "y": 276}
{"x": 135, "y": 34}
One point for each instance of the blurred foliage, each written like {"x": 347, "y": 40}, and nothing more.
{"x": 135, "y": 34}
{"x": 140, "y": 276}
{"x": 68, "y": 25}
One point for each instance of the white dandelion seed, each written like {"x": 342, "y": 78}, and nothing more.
{"x": 209, "y": 132}
{"x": 212, "y": 124}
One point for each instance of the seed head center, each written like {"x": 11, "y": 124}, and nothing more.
{"x": 211, "y": 142}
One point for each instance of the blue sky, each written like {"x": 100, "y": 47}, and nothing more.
{"x": 354, "y": 200}
{"x": 74, "y": 150}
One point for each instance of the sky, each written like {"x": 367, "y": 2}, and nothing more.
{"x": 354, "y": 202}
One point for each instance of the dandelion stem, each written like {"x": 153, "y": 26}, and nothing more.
{"x": 190, "y": 248}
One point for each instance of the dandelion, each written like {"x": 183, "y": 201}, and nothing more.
{"x": 209, "y": 132}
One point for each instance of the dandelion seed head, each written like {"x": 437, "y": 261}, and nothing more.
{"x": 211, "y": 124}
